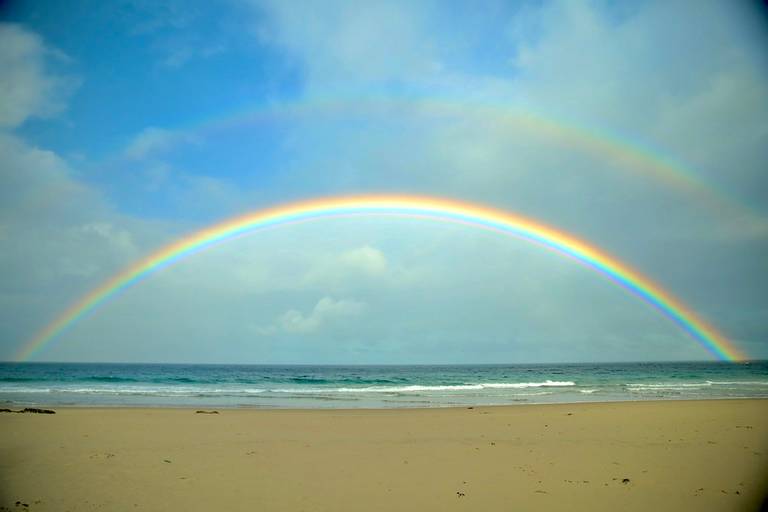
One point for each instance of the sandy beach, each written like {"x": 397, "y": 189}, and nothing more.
{"x": 671, "y": 455}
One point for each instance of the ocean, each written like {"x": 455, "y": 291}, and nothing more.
{"x": 304, "y": 386}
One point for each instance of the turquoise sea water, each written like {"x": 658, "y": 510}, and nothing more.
{"x": 372, "y": 386}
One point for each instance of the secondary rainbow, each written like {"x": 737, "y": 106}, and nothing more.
{"x": 627, "y": 155}
{"x": 443, "y": 210}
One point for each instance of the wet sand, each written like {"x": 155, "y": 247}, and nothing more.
{"x": 672, "y": 455}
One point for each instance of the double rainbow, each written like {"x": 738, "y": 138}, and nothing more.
{"x": 443, "y": 210}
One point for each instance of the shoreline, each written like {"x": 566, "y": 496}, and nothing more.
{"x": 369, "y": 386}
{"x": 330, "y": 409}
{"x": 674, "y": 454}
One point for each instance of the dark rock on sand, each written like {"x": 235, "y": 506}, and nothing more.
{"x": 30, "y": 410}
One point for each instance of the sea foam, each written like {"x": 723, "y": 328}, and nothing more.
{"x": 425, "y": 388}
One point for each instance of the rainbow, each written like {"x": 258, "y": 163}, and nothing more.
{"x": 625, "y": 154}
{"x": 443, "y": 210}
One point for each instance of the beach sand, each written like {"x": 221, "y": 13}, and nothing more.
{"x": 671, "y": 455}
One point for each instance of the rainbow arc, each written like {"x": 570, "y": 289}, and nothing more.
{"x": 443, "y": 210}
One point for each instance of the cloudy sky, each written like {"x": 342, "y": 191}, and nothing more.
{"x": 641, "y": 127}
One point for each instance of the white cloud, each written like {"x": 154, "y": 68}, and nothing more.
{"x": 59, "y": 238}
{"x": 153, "y": 140}
{"x": 353, "y": 267}
{"x": 38, "y": 185}
{"x": 54, "y": 224}
{"x": 366, "y": 258}
{"x": 326, "y": 312}
{"x": 625, "y": 74}
{"x": 27, "y": 88}
{"x": 117, "y": 237}
{"x": 344, "y": 43}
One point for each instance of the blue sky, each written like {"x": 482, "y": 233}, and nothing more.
{"x": 126, "y": 125}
